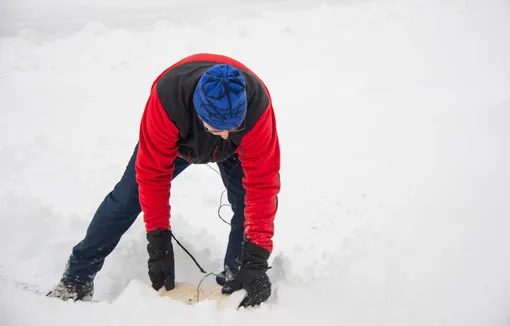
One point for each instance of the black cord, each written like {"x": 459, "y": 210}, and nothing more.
{"x": 221, "y": 206}
{"x": 221, "y": 218}
{"x": 200, "y": 283}
{"x": 189, "y": 254}
{"x": 221, "y": 196}
{"x": 213, "y": 169}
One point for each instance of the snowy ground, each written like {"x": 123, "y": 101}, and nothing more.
{"x": 394, "y": 119}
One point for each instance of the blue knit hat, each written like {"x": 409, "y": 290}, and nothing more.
{"x": 220, "y": 97}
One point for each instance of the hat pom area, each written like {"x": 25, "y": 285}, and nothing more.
{"x": 220, "y": 97}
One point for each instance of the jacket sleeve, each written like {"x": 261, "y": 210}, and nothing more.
{"x": 259, "y": 154}
{"x": 157, "y": 151}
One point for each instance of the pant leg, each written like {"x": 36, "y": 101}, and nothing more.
{"x": 114, "y": 216}
{"x": 232, "y": 175}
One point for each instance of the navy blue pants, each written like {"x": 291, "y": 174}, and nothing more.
{"x": 121, "y": 207}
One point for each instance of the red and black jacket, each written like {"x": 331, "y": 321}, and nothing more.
{"x": 170, "y": 127}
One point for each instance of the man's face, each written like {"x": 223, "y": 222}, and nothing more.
{"x": 222, "y": 133}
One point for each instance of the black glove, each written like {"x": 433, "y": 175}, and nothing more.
{"x": 251, "y": 276}
{"x": 161, "y": 259}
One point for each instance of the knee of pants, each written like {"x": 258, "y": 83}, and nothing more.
{"x": 237, "y": 223}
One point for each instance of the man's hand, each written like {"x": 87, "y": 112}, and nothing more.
{"x": 161, "y": 259}
{"x": 251, "y": 276}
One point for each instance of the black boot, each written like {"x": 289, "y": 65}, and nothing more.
{"x": 225, "y": 276}
{"x": 67, "y": 290}
{"x": 221, "y": 278}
